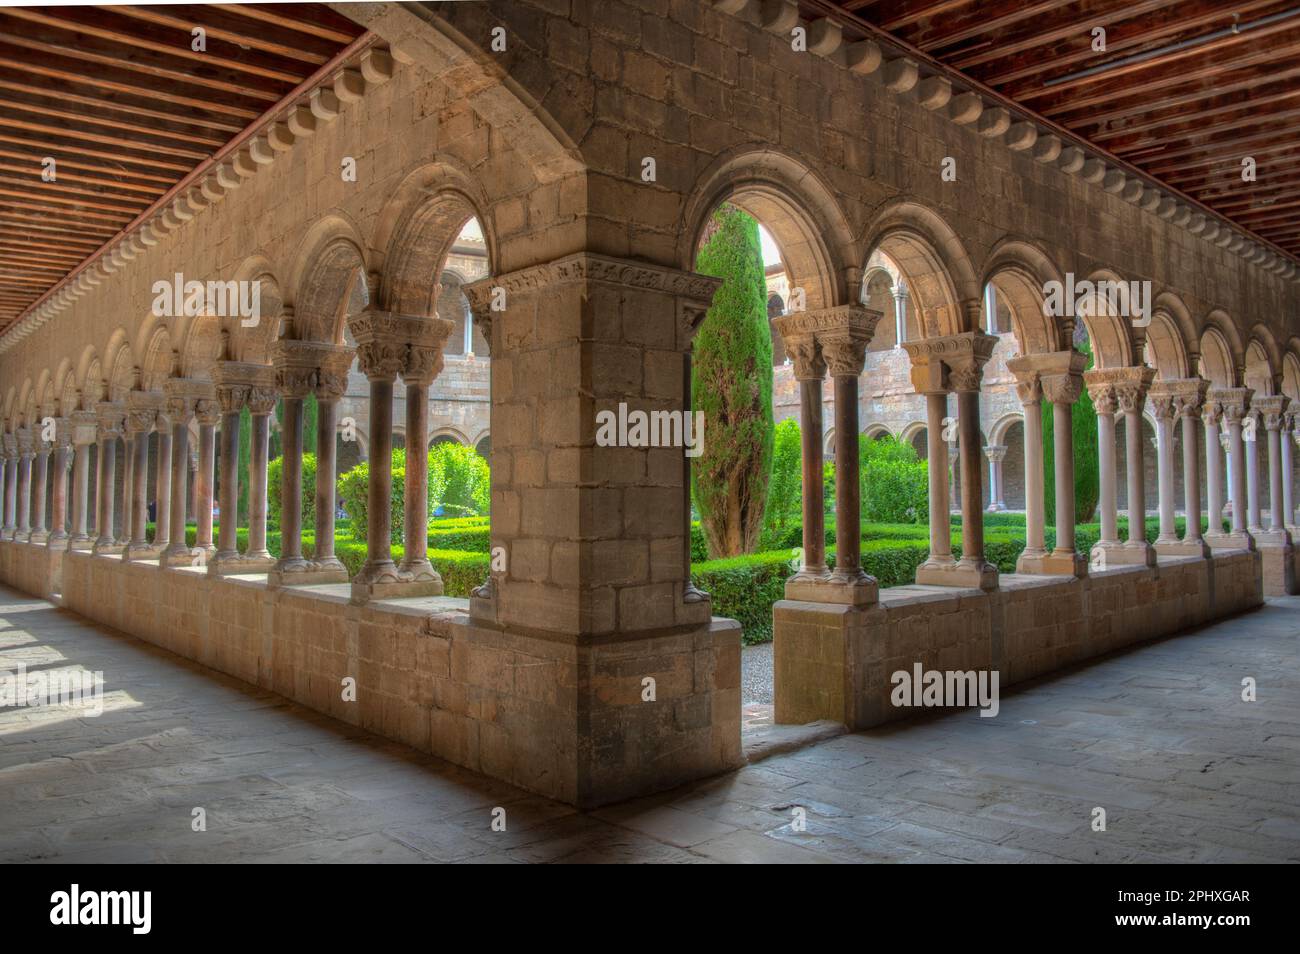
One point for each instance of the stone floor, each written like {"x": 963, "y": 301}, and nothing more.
{"x": 1158, "y": 737}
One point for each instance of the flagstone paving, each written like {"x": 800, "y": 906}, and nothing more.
{"x": 1158, "y": 737}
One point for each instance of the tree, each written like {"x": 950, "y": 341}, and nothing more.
{"x": 732, "y": 385}
{"x": 1087, "y": 486}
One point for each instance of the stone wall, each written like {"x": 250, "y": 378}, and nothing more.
{"x": 565, "y": 719}
{"x": 836, "y": 662}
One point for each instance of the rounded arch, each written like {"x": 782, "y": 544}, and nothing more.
{"x": 158, "y": 362}
{"x": 120, "y": 366}
{"x": 252, "y": 343}
{"x": 797, "y": 208}
{"x": 88, "y": 359}
{"x": 934, "y": 264}
{"x": 1171, "y": 338}
{"x": 201, "y": 346}
{"x": 447, "y": 433}
{"x": 1020, "y": 271}
{"x": 1291, "y": 370}
{"x": 877, "y": 432}
{"x": 92, "y": 384}
{"x": 1109, "y": 332}
{"x": 1218, "y": 363}
{"x": 1263, "y": 367}
{"x": 417, "y": 228}
{"x": 1002, "y": 427}
{"x": 329, "y": 264}
{"x": 69, "y": 394}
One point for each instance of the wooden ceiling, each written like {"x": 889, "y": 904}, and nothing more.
{"x": 1183, "y": 92}
{"x": 118, "y": 98}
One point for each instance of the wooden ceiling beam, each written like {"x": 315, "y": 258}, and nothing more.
{"x": 51, "y": 147}
{"x": 108, "y": 117}
{"x": 295, "y": 44}
{"x": 55, "y": 192}
{"x": 116, "y": 172}
{"x": 11, "y": 119}
{"x": 315, "y": 19}
{"x": 97, "y": 184}
{"x": 12, "y": 82}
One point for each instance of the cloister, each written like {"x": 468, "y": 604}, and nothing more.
{"x": 922, "y": 314}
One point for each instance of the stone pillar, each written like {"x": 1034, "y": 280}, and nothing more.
{"x": 423, "y": 363}
{"x": 1250, "y": 438}
{"x": 1104, "y": 401}
{"x": 330, "y": 384}
{"x": 1185, "y": 397}
{"x": 208, "y": 412}
{"x": 40, "y": 482}
{"x": 1162, "y": 406}
{"x": 382, "y": 352}
{"x": 293, "y": 380}
{"x": 261, "y": 402}
{"x": 26, "y": 452}
{"x": 231, "y": 398}
{"x": 140, "y": 422}
{"x": 996, "y": 453}
{"x": 1211, "y": 416}
{"x": 58, "y": 538}
{"x": 836, "y": 338}
{"x": 900, "y": 313}
{"x": 1029, "y": 389}
{"x": 1289, "y": 435}
{"x": 1272, "y": 410}
{"x": 83, "y": 435}
{"x": 955, "y": 363}
{"x": 110, "y": 417}
{"x": 1234, "y": 402}
{"x": 11, "y": 486}
{"x": 810, "y": 371}
{"x": 4, "y": 489}
{"x": 1131, "y": 390}
{"x": 239, "y": 384}
{"x": 162, "y": 489}
{"x": 127, "y": 462}
{"x": 180, "y": 409}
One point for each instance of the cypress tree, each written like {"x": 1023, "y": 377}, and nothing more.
{"x": 732, "y": 385}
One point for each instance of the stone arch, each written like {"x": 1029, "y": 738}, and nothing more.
{"x": 449, "y": 432}
{"x": 158, "y": 363}
{"x": 330, "y": 262}
{"x": 916, "y": 434}
{"x": 1291, "y": 370}
{"x": 120, "y": 366}
{"x": 1111, "y": 334}
{"x": 89, "y": 359}
{"x": 417, "y": 228}
{"x": 1220, "y": 331}
{"x": 253, "y": 344}
{"x": 201, "y": 346}
{"x": 11, "y": 400}
{"x": 998, "y": 432}
{"x": 92, "y": 384}
{"x": 797, "y": 208}
{"x": 876, "y": 432}
{"x": 1020, "y": 271}
{"x": 1263, "y": 367}
{"x": 934, "y": 264}
{"x": 1175, "y": 354}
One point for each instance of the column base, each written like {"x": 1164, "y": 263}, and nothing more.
{"x": 107, "y": 548}
{"x": 239, "y": 564}
{"x": 1056, "y": 563}
{"x": 1271, "y": 538}
{"x": 187, "y": 558}
{"x": 846, "y": 590}
{"x": 1238, "y": 540}
{"x": 1278, "y": 563}
{"x": 7, "y": 534}
{"x": 1105, "y": 555}
{"x": 964, "y": 572}
{"x": 39, "y": 537}
{"x": 141, "y": 551}
{"x": 306, "y": 573}
{"x": 1182, "y": 548}
{"x": 398, "y": 589}
{"x": 80, "y": 541}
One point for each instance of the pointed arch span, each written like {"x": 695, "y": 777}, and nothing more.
{"x": 797, "y": 208}
{"x": 939, "y": 273}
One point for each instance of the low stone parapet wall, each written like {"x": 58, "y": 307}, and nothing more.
{"x": 575, "y": 721}
{"x": 837, "y": 662}
{"x": 32, "y": 568}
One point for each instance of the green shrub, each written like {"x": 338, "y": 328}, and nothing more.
{"x": 785, "y": 487}
{"x": 475, "y": 539}
{"x": 274, "y": 490}
{"x": 894, "y": 481}
{"x": 354, "y": 488}
{"x": 745, "y": 587}
{"x": 458, "y": 480}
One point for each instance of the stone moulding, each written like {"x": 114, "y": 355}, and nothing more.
{"x": 587, "y": 267}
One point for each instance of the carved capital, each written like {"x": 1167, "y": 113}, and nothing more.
{"x": 806, "y": 356}
{"x": 141, "y": 420}
{"x": 949, "y": 363}
{"x": 232, "y": 397}
{"x": 208, "y": 411}
{"x": 109, "y": 416}
{"x": 1271, "y": 409}
{"x": 1232, "y": 401}
{"x": 262, "y": 400}
{"x": 995, "y": 452}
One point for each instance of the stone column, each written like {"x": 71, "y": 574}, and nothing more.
{"x": 180, "y": 409}
{"x": 423, "y": 363}
{"x": 1234, "y": 402}
{"x": 900, "y": 313}
{"x": 293, "y": 379}
{"x": 1029, "y": 389}
{"x": 1162, "y": 406}
{"x": 110, "y": 417}
{"x": 1102, "y": 392}
{"x": 1131, "y": 390}
{"x": 208, "y": 412}
{"x": 239, "y": 384}
{"x": 83, "y": 435}
{"x": 4, "y": 489}
{"x": 1250, "y": 438}
{"x": 261, "y": 402}
{"x": 1211, "y": 416}
{"x": 162, "y": 490}
{"x": 996, "y": 453}
{"x": 40, "y": 482}
{"x": 126, "y": 459}
{"x": 11, "y": 487}
{"x": 231, "y": 399}
{"x": 383, "y": 349}
{"x": 836, "y": 338}
{"x": 1187, "y": 396}
{"x": 58, "y": 539}
{"x": 330, "y": 385}
{"x": 1272, "y": 410}
{"x": 26, "y": 452}
{"x": 1289, "y": 434}
{"x": 140, "y": 422}
{"x": 955, "y": 362}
